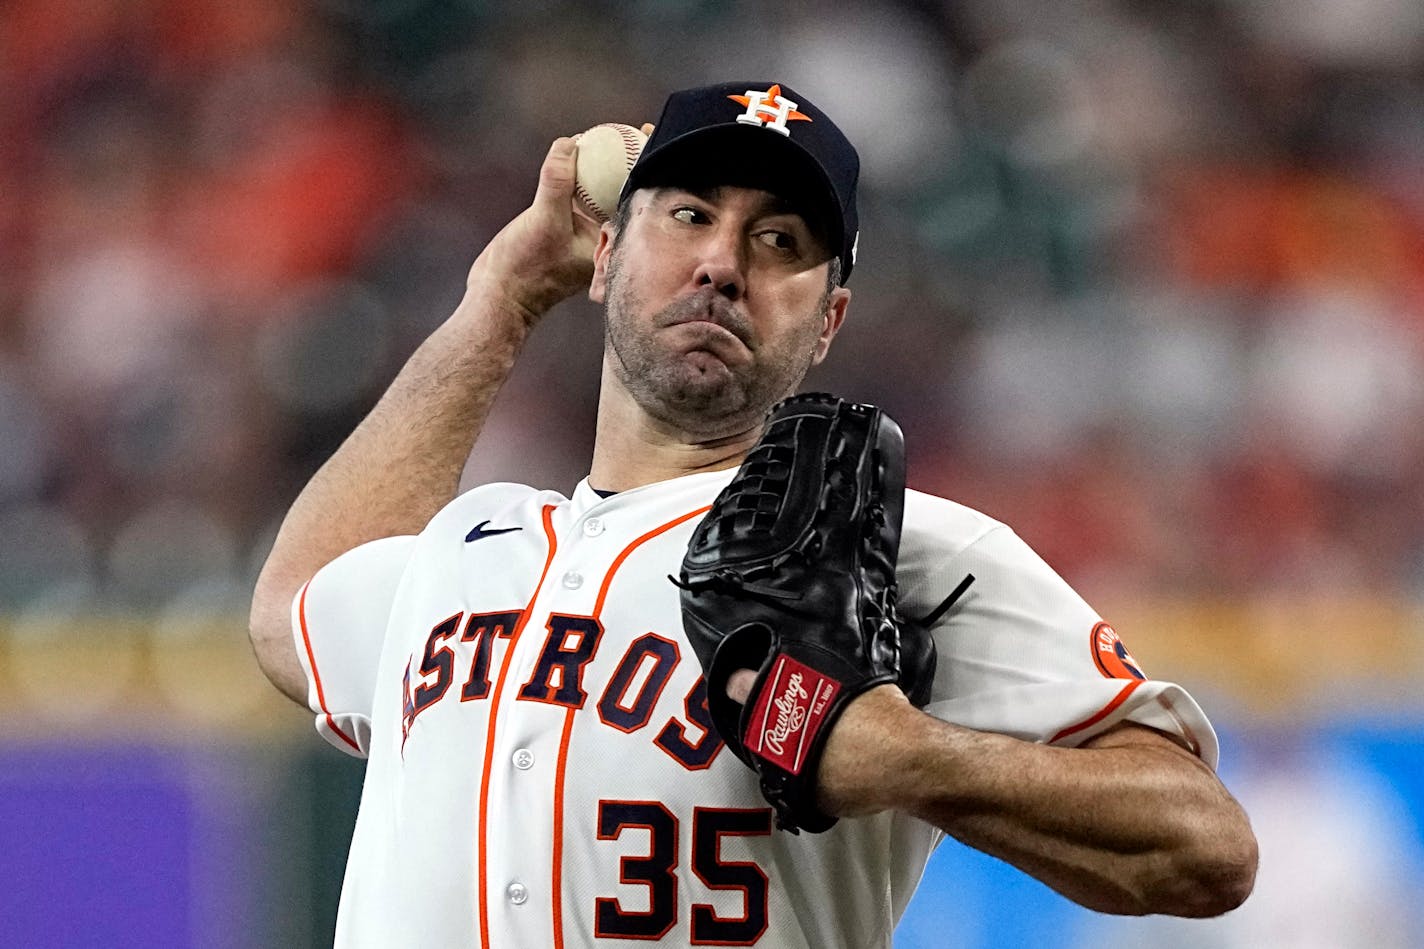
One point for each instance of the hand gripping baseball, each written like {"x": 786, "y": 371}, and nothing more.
{"x": 545, "y": 254}
{"x": 792, "y": 574}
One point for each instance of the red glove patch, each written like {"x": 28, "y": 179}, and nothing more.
{"x": 789, "y": 712}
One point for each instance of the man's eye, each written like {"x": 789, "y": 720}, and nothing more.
{"x": 778, "y": 239}
{"x": 688, "y": 215}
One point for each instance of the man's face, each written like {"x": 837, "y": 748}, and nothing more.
{"x": 716, "y": 305}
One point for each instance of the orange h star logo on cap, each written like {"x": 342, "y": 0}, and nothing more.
{"x": 769, "y": 109}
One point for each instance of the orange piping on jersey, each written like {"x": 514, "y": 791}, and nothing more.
{"x": 1189, "y": 736}
{"x": 483, "y": 871}
{"x": 316, "y": 676}
{"x": 557, "y": 882}
{"x": 558, "y": 877}
{"x": 618, "y": 561}
{"x": 1101, "y": 714}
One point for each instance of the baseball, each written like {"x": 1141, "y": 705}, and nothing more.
{"x": 605, "y": 155}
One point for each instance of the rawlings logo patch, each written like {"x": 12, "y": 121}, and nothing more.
{"x": 788, "y": 713}
{"x": 1112, "y": 657}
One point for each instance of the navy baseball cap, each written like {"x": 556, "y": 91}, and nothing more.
{"x": 758, "y": 135}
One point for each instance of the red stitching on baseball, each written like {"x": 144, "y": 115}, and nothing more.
{"x": 586, "y": 201}
{"x": 631, "y": 145}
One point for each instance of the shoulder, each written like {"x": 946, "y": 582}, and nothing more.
{"x": 946, "y": 527}
{"x": 941, "y": 535}
{"x": 502, "y": 504}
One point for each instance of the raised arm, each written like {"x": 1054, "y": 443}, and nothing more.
{"x": 1129, "y": 823}
{"x": 403, "y": 462}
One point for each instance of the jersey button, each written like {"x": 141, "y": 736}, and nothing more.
{"x": 592, "y": 527}
{"x": 518, "y": 893}
{"x": 573, "y": 580}
{"x": 524, "y": 759}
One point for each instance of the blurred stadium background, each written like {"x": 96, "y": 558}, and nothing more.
{"x": 1144, "y": 279}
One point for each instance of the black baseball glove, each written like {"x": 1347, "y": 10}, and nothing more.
{"x": 792, "y": 574}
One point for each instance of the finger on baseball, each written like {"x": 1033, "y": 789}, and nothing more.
{"x": 557, "y": 174}
{"x": 739, "y": 685}
{"x": 648, "y": 128}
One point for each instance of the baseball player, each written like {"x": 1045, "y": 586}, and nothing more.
{"x": 542, "y": 769}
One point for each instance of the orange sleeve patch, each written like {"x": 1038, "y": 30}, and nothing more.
{"x": 1111, "y": 655}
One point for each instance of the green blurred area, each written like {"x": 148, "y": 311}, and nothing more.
{"x": 324, "y": 788}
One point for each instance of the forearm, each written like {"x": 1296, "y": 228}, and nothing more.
{"x": 403, "y": 462}
{"x": 1130, "y": 824}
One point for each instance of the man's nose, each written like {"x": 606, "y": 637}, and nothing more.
{"x": 722, "y": 265}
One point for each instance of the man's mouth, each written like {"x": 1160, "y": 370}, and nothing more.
{"x": 713, "y": 310}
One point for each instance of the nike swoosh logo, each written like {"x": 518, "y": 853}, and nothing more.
{"x": 480, "y": 531}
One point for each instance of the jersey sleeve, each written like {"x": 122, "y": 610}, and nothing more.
{"x": 1022, "y": 654}
{"x": 339, "y": 621}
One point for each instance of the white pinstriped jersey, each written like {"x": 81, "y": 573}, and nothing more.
{"x": 540, "y": 766}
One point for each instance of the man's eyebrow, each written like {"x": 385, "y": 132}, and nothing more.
{"x": 775, "y": 204}
{"x": 708, "y": 193}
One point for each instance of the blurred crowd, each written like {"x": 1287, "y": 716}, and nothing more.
{"x": 1144, "y": 279}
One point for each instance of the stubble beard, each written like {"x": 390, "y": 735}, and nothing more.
{"x": 705, "y": 401}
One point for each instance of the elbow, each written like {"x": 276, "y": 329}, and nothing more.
{"x": 270, "y": 633}
{"x": 264, "y": 644}
{"x": 264, "y": 626}
{"x": 1209, "y": 879}
{"x": 1220, "y": 886}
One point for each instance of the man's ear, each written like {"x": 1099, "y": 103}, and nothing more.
{"x": 834, "y": 316}
{"x": 598, "y": 287}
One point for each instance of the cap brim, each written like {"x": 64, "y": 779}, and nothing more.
{"x": 749, "y": 157}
